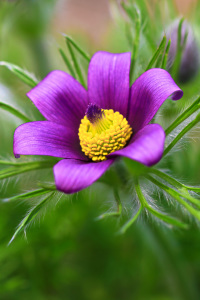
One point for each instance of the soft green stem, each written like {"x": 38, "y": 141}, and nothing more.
{"x": 173, "y": 181}
{"x": 119, "y": 208}
{"x": 180, "y": 186}
{"x": 136, "y": 43}
{"x": 164, "y": 62}
{"x": 76, "y": 65}
{"x": 131, "y": 221}
{"x": 23, "y": 75}
{"x": 156, "y": 213}
{"x": 12, "y": 171}
{"x": 182, "y": 133}
{"x": 67, "y": 62}
{"x": 187, "y": 113}
{"x": 179, "y": 51}
{"x": 175, "y": 195}
{"x": 158, "y": 51}
{"x": 17, "y": 164}
{"x": 83, "y": 53}
{"x": 128, "y": 10}
{"x": 28, "y": 195}
{"x": 14, "y": 112}
{"x": 30, "y": 216}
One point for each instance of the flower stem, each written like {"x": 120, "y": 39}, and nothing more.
{"x": 181, "y": 187}
{"x": 23, "y": 75}
{"x": 67, "y": 62}
{"x": 14, "y": 112}
{"x": 12, "y": 171}
{"x": 82, "y": 53}
{"x": 182, "y": 133}
{"x": 164, "y": 62}
{"x": 76, "y": 65}
{"x": 187, "y": 113}
{"x": 173, "y": 181}
{"x": 31, "y": 215}
{"x": 113, "y": 213}
{"x": 156, "y": 213}
{"x": 31, "y": 194}
{"x": 175, "y": 195}
{"x": 136, "y": 43}
{"x": 156, "y": 54}
{"x": 131, "y": 221}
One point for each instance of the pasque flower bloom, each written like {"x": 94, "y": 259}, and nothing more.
{"x": 91, "y": 128}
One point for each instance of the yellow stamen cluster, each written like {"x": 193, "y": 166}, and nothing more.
{"x": 107, "y": 134}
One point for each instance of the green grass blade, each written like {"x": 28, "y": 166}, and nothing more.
{"x": 183, "y": 189}
{"x": 130, "y": 222}
{"x": 186, "y": 114}
{"x": 23, "y": 75}
{"x": 67, "y": 62}
{"x": 13, "y": 171}
{"x": 176, "y": 196}
{"x": 156, "y": 213}
{"x": 157, "y": 53}
{"x": 164, "y": 62}
{"x": 30, "y": 216}
{"x": 14, "y": 112}
{"x": 181, "y": 134}
{"x": 76, "y": 65}
{"x": 168, "y": 219}
{"x": 78, "y": 48}
{"x": 113, "y": 214}
{"x": 134, "y": 53}
{"x": 28, "y": 195}
{"x": 179, "y": 50}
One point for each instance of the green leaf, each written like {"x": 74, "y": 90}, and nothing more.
{"x": 183, "y": 189}
{"x": 119, "y": 208}
{"x": 76, "y": 64}
{"x": 78, "y": 48}
{"x": 131, "y": 221}
{"x": 186, "y": 114}
{"x": 19, "y": 169}
{"x": 23, "y": 75}
{"x": 28, "y": 195}
{"x": 176, "y": 195}
{"x": 159, "y": 215}
{"x": 168, "y": 219}
{"x": 134, "y": 53}
{"x": 182, "y": 133}
{"x": 67, "y": 62}
{"x": 14, "y": 112}
{"x": 30, "y": 216}
{"x": 179, "y": 50}
{"x": 157, "y": 53}
{"x": 164, "y": 62}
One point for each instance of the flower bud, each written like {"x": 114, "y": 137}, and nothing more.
{"x": 189, "y": 62}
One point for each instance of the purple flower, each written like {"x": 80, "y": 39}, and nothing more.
{"x": 110, "y": 118}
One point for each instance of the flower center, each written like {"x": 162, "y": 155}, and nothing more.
{"x": 103, "y": 131}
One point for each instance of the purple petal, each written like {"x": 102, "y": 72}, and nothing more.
{"x": 61, "y": 99}
{"x": 108, "y": 81}
{"x": 148, "y": 93}
{"x": 146, "y": 146}
{"x": 46, "y": 138}
{"x": 73, "y": 175}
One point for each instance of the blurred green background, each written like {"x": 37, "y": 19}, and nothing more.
{"x": 67, "y": 254}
